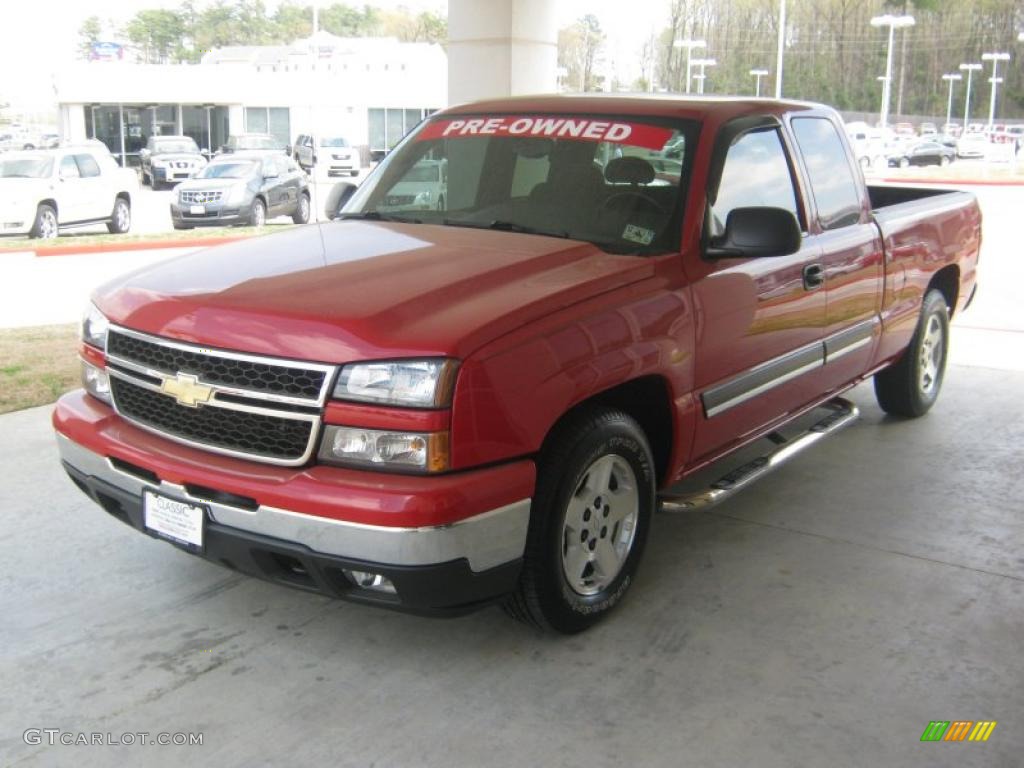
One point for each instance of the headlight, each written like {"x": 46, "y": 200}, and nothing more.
{"x": 412, "y": 383}
{"x": 96, "y": 382}
{"x": 94, "y": 328}
{"x": 357, "y": 447}
{"x": 159, "y": 163}
{"x": 423, "y": 198}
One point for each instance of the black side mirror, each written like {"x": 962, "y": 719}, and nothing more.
{"x": 754, "y": 232}
{"x": 340, "y": 194}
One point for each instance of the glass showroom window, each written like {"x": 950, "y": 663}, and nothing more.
{"x": 273, "y": 120}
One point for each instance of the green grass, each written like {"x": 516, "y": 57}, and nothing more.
{"x": 40, "y": 364}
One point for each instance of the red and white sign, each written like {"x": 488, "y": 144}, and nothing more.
{"x": 550, "y": 127}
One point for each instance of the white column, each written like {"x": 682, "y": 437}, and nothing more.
{"x": 73, "y": 122}
{"x": 501, "y": 48}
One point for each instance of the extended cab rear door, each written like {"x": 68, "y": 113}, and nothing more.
{"x": 758, "y": 349}
{"x": 851, "y": 251}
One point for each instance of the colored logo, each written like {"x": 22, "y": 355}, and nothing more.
{"x": 186, "y": 389}
{"x": 959, "y": 730}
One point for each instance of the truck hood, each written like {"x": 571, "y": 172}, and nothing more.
{"x": 356, "y": 290}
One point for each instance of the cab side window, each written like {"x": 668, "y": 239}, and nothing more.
{"x": 836, "y": 192}
{"x": 69, "y": 168}
{"x": 87, "y": 166}
{"x": 756, "y": 173}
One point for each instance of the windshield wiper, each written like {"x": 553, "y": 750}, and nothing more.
{"x": 378, "y": 216}
{"x": 506, "y": 226}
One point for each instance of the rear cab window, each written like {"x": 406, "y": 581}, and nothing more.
{"x": 615, "y": 182}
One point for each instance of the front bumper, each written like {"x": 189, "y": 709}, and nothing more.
{"x": 441, "y": 569}
{"x": 213, "y": 215}
{"x": 171, "y": 175}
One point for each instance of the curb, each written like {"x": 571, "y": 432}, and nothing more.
{"x": 135, "y": 245}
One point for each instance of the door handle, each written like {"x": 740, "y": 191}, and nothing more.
{"x": 814, "y": 276}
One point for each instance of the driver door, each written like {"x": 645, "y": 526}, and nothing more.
{"x": 71, "y": 196}
{"x": 759, "y": 320}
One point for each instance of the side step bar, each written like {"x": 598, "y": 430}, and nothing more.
{"x": 842, "y": 414}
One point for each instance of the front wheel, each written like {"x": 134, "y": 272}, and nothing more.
{"x": 944, "y": 160}
{"x": 588, "y": 522}
{"x": 904, "y": 162}
{"x": 121, "y": 218}
{"x": 45, "y": 226}
{"x": 910, "y": 386}
{"x": 258, "y": 213}
{"x": 301, "y": 215}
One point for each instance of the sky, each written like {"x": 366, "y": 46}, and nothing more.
{"x": 39, "y": 37}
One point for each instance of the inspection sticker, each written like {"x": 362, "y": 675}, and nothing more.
{"x": 637, "y": 234}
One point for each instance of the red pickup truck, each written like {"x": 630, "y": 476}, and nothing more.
{"x": 481, "y": 386}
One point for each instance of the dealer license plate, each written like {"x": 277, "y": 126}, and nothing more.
{"x": 174, "y": 520}
{"x": 197, "y": 210}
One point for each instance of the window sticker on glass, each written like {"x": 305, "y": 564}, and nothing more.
{"x": 640, "y": 235}
{"x": 548, "y": 126}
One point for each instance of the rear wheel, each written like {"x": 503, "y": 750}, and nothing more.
{"x": 45, "y": 226}
{"x": 301, "y": 215}
{"x": 258, "y": 213}
{"x": 588, "y": 522}
{"x": 121, "y": 217}
{"x": 910, "y": 386}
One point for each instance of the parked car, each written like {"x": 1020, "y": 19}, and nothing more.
{"x": 972, "y": 145}
{"x": 253, "y": 142}
{"x": 327, "y": 155}
{"x": 928, "y": 129}
{"x": 434, "y": 410}
{"x": 43, "y": 191}
{"x": 242, "y": 188}
{"x": 423, "y": 188}
{"x": 923, "y": 153}
{"x": 169, "y": 159}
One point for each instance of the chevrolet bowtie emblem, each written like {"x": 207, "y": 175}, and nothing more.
{"x": 186, "y": 389}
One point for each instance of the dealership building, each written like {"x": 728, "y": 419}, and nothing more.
{"x": 369, "y": 90}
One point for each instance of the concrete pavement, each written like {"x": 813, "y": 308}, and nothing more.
{"x": 822, "y": 618}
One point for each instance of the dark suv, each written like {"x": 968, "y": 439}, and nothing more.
{"x": 242, "y": 188}
{"x": 169, "y": 159}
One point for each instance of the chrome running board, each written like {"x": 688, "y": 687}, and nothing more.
{"x": 842, "y": 414}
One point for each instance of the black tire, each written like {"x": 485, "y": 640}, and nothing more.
{"x": 146, "y": 181}
{"x": 120, "y": 218}
{"x": 182, "y": 226}
{"x": 353, "y": 174}
{"x": 910, "y": 386}
{"x": 46, "y": 223}
{"x": 440, "y": 203}
{"x": 258, "y": 213}
{"x": 302, "y": 209}
{"x": 591, "y": 438}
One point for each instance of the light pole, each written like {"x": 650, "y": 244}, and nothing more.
{"x": 702, "y": 63}
{"x": 758, "y": 74}
{"x": 950, "y": 78}
{"x": 893, "y": 23}
{"x": 689, "y": 45}
{"x": 995, "y": 58}
{"x": 970, "y": 69}
{"x": 782, "y": 45}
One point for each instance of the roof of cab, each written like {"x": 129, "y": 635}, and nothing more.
{"x": 720, "y": 108}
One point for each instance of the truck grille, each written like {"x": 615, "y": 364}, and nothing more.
{"x": 260, "y": 408}
{"x": 249, "y": 433}
{"x": 399, "y": 199}
{"x": 213, "y": 368}
{"x": 201, "y": 196}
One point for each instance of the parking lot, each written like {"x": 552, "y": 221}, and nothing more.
{"x": 803, "y": 617}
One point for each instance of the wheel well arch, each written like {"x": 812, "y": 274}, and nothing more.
{"x": 50, "y": 202}
{"x": 947, "y": 281}
{"x": 124, "y": 195}
{"x": 646, "y": 399}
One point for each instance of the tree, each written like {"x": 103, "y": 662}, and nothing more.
{"x": 346, "y": 21}
{"x": 292, "y": 22}
{"x": 156, "y": 33}
{"x": 89, "y": 35}
{"x": 579, "y": 50}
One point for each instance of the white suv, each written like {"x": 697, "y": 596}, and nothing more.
{"x": 44, "y": 190}
{"x": 327, "y": 155}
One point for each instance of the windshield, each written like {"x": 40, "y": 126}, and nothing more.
{"x": 333, "y": 141}
{"x": 26, "y": 167}
{"x": 256, "y": 142}
{"x": 178, "y": 145}
{"x": 613, "y": 182}
{"x": 227, "y": 170}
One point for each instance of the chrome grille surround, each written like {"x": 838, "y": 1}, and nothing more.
{"x": 240, "y": 399}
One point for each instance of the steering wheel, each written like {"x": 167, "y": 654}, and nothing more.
{"x": 652, "y": 204}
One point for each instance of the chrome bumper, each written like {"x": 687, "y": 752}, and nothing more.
{"x": 485, "y": 541}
